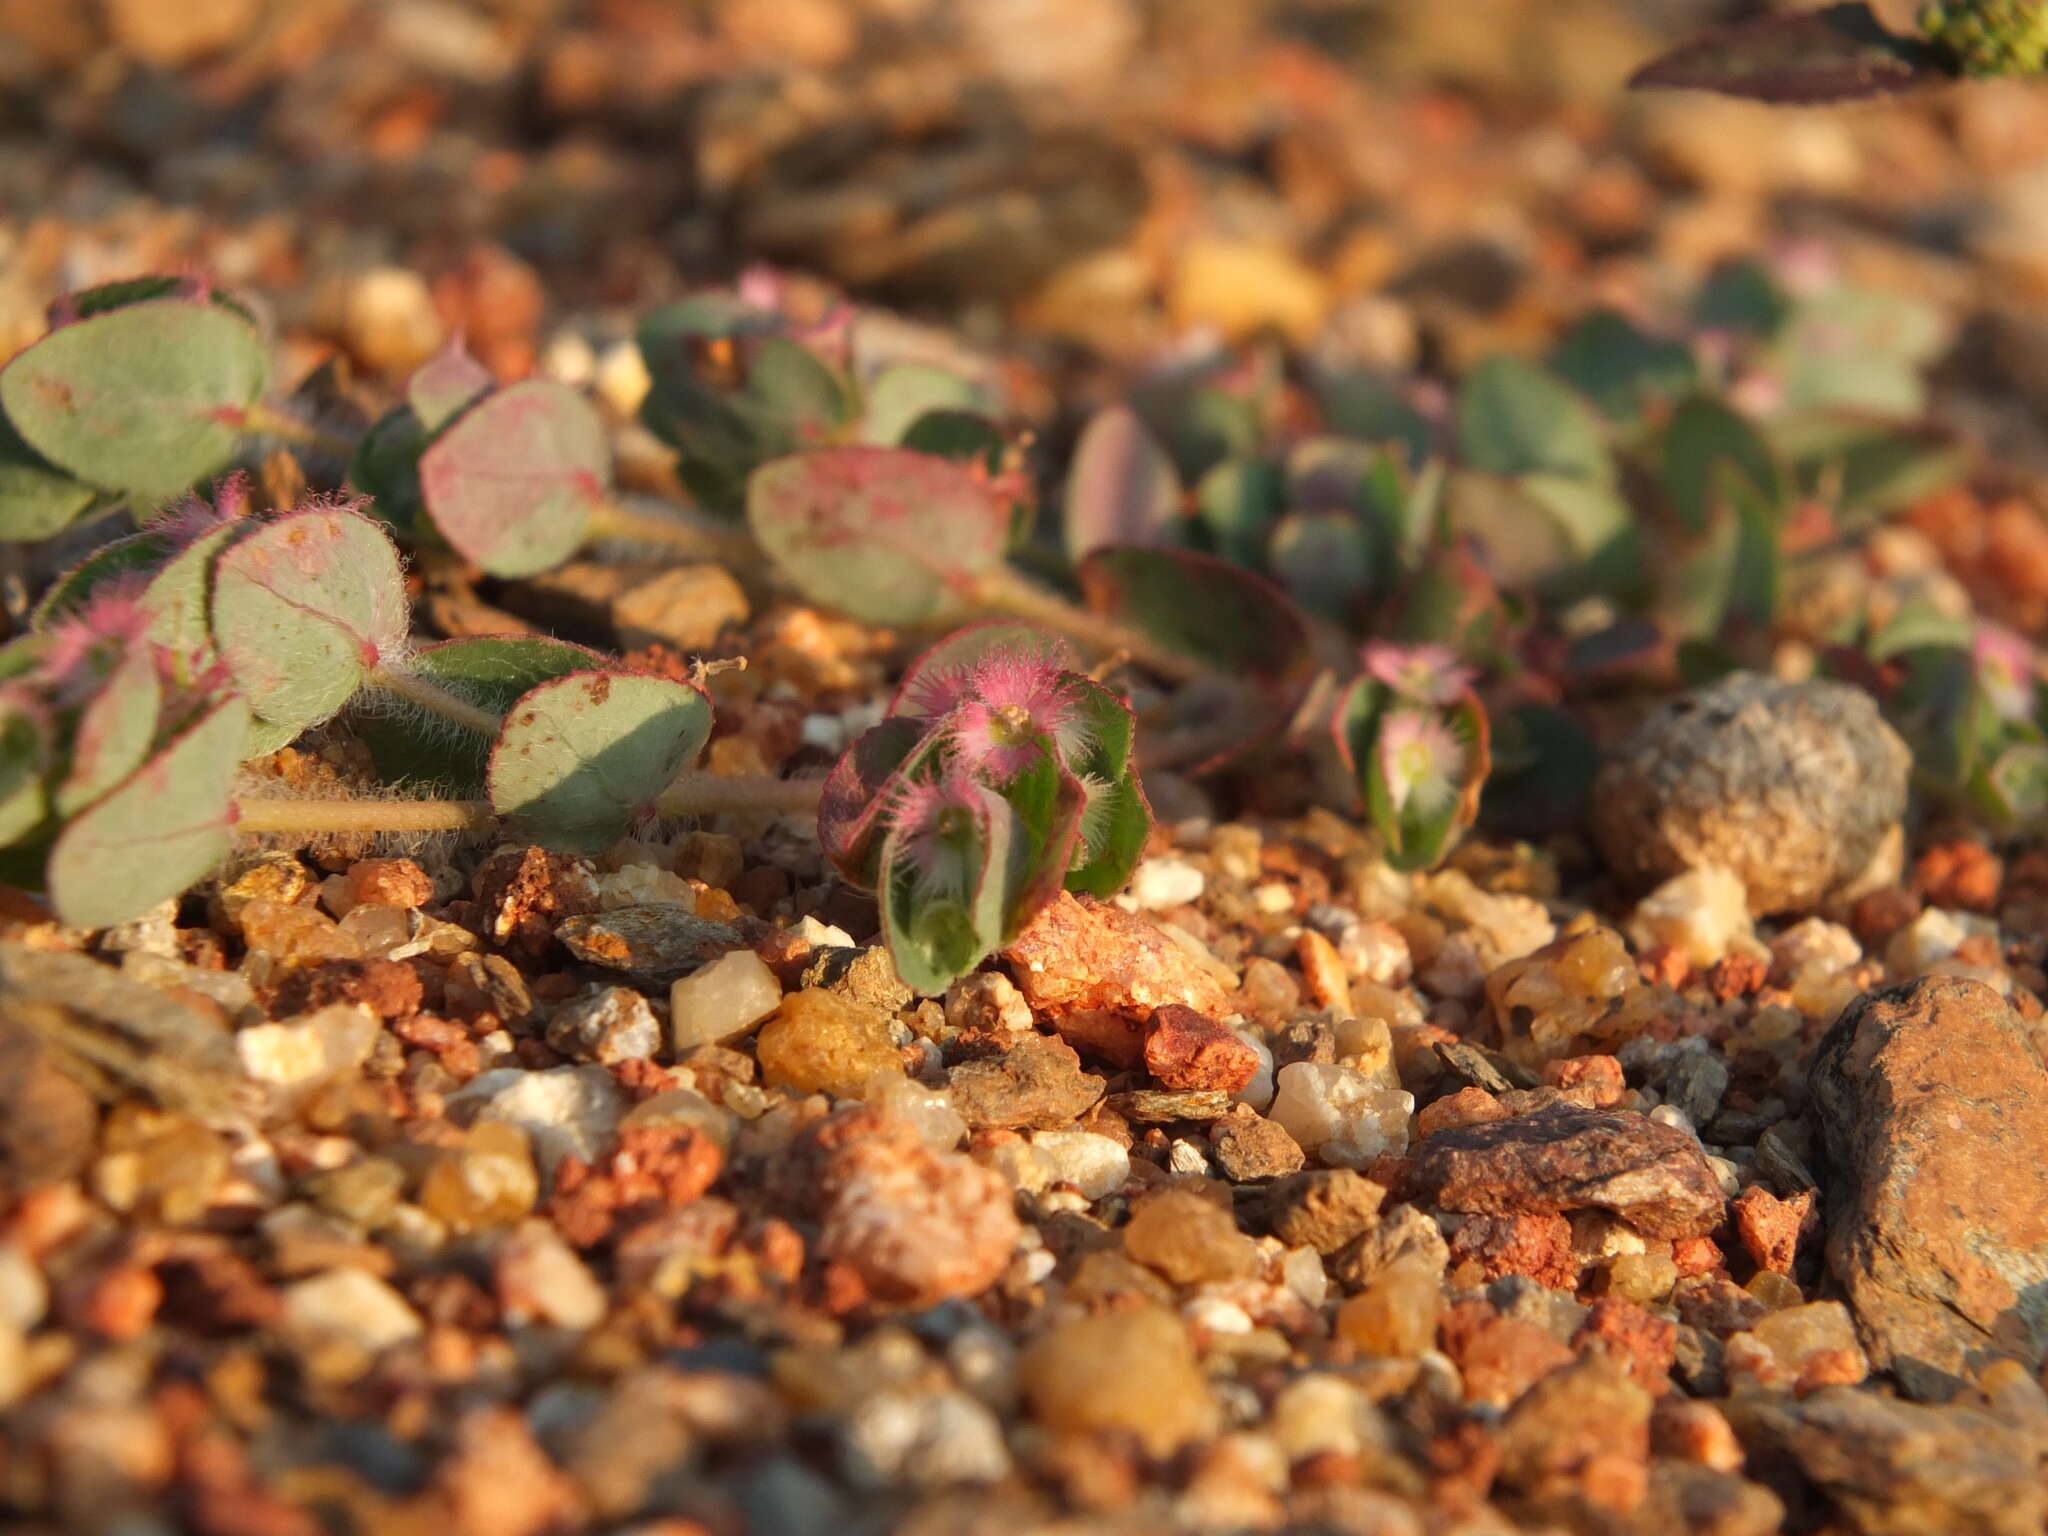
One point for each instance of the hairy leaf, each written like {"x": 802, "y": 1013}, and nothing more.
{"x": 144, "y": 399}
{"x": 37, "y": 499}
{"x": 511, "y": 485}
{"x": 580, "y": 756}
{"x": 115, "y": 730}
{"x": 1121, "y": 487}
{"x": 158, "y": 832}
{"x": 1202, "y": 606}
{"x": 303, "y": 608}
{"x": 903, "y": 394}
{"x": 882, "y": 534}
{"x": 26, "y": 745}
{"x": 446, "y": 385}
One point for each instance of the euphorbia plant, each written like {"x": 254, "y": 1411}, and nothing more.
{"x": 1414, "y": 737}
{"x": 1000, "y": 775}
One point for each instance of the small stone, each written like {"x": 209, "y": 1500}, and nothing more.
{"x": 24, "y": 1294}
{"x": 1131, "y": 1371}
{"x": 987, "y": 1003}
{"x": 564, "y": 1110}
{"x": 1566, "y": 1158}
{"x": 1794, "y": 787}
{"x": 540, "y": 1279}
{"x": 684, "y": 606}
{"x": 1189, "y": 1239}
{"x": 364, "y": 1192}
{"x": 1036, "y": 1084}
{"x": 1084, "y": 954}
{"x": 915, "y": 1225}
{"x": 389, "y": 321}
{"x": 1800, "y": 1347}
{"x": 1103, "y": 1035}
{"x": 389, "y": 883}
{"x": 1499, "y": 1357}
{"x": 1552, "y": 1003}
{"x": 1340, "y": 1114}
{"x": 924, "y": 1440}
{"x": 1695, "y": 1084}
{"x": 1771, "y": 1228}
{"x": 723, "y": 1000}
{"x": 1468, "y": 1106}
{"x": 1323, "y": 1209}
{"x": 488, "y": 1182}
{"x": 656, "y": 941}
{"x": 350, "y": 1305}
{"x": 1539, "y": 1246}
{"x": 1157, "y": 884}
{"x": 1933, "y": 1101}
{"x": 931, "y": 1110}
{"x": 1396, "y": 1314}
{"x": 866, "y": 976}
{"x": 1095, "y": 1165}
{"x": 1580, "y": 1430}
{"x": 1645, "y": 1344}
{"x": 607, "y": 1026}
{"x": 818, "y": 1042}
{"x": 158, "y": 1163}
{"x": 1161, "y": 1106}
{"x": 1249, "y": 1148}
{"x": 1186, "y": 1050}
{"x": 642, "y": 885}
{"x": 1238, "y": 286}
{"x": 1702, "y": 914}
{"x": 524, "y": 893}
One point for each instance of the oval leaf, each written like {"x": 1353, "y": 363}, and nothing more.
{"x": 145, "y": 399}
{"x": 882, "y": 534}
{"x": 581, "y": 755}
{"x": 1202, "y": 606}
{"x": 1515, "y": 418}
{"x": 511, "y": 485}
{"x": 1121, "y": 488}
{"x": 1836, "y": 54}
{"x": 303, "y": 608}
{"x": 37, "y": 499}
{"x": 156, "y": 834}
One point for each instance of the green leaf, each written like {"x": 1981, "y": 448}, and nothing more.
{"x": 511, "y": 485}
{"x": 303, "y": 608}
{"x": 853, "y": 804}
{"x": 1858, "y": 350}
{"x": 1237, "y": 503}
{"x": 1868, "y": 469}
{"x": 137, "y": 554}
{"x": 1202, "y": 607}
{"x": 1623, "y": 370}
{"x": 445, "y": 386}
{"x": 1515, "y": 418}
{"x": 1705, "y": 441}
{"x": 580, "y": 756}
{"x": 26, "y": 745}
{"x": 903, "y": 394}
{"x": 161, "y": 830}
{"x": 37, "y": 499}
{"x": 1115, "y": 818}
{"x": 1742, "y": 296}
{"x": 115, "y": 730}
{"x": 386, "y": 468}
{"x": 1919, "y": 624}
{"x": 412, "y": 746}
{"x": 1326, "y": 560}
{"x": 1416, "y": 834}
{"x": 882, "y": 534}
{"x": 1121, "y": 486}
{"x": 1544, "y": 764}
{"x": 123, "y": 292}
{"x": 179, "y": 596}
{"x": 961, "y": 435}
{"x": 2013, "y": 787}
{"x": 144, "y": 400}
{"x": 1369, "y": 409}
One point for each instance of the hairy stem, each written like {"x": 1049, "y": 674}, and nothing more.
{"x": 697, "y": 793}
{"x": 1005, "y": 591}
{"x": 314, "y": 817}
{"x": 435, "y": 699}
{"x": 267, "y": 421}
{"x": 679, "y": 530}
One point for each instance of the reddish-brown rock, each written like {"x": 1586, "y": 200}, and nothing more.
{"x": 1933, "y": 1101}
{"x": 1770, "y": 1228}
{"x": 1037, "y": 1084}
{"x": 1499, "y": 1357}
{"x": 1565, "y": 1158}
{"x": 1082, "y": 953}
{"x": 1190, "y": 1050}
{"x": 1638, "y": 1339}
{"x": 1537, "y": 1246}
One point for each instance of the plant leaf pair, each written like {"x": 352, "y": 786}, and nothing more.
{"x": 1418, "y": 763}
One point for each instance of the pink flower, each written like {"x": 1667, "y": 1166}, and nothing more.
{"x": 1002, "y": 710}
{"x": 1427, "y": 673}
{"x": 2005, "y": 670}
{"x": 938, "y": 826}
{"x": 1422, "y": 761}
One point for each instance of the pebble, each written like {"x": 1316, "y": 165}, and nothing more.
{"x": 1793, "y": 787}
{"x": 351, "y": 1305}
{"x": 924, "y": 1440}
{"x": 818, "y": 1042}
{"x": 1083, "y": 954}
{"x": 489, "y": 1181}
{"x": 1188, "y": 1238}
{"x": 540, "y": 1279}
{"x": 1157, "y": 884}
{"x": 1037, "y": 1083}
{"x": 1249, "y": 1148}
{"x": 606, "y": 1025}
{"x": 722, "y": 1000}
{"x": 1132, "y": 1371}
{"x": 655, "y": 941}
{"x": 1340, "y": 1114}
{"x": 1095, "y": 1165}
{"x": 316, "y": 1048}
{"x": 564, "y": 1110}
{"x": 1702, "y": 914}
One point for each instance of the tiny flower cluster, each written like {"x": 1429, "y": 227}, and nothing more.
{"x": 1415, "y": 738}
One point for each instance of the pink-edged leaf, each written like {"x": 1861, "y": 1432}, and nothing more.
{"x": 857, "y": 790}
{"x": 1840, "y": 53}
{"x": 959, "y": 651}
{"x": 885, "y": 535}
{"x": 445, "y": 385}
{"x": 1121, "y": 488}
{"x": 1202, "y": 606}
{"x": 511, "y": 485}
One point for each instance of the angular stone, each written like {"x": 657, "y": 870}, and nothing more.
{"x": 1082, "y": 953}
{"x": 606, "y": 1025}
{"x": 723, "y": 1000}
{"x": 1189, "y": 1238}
{"x": 859, "y": 975}
{"x": 1133, "y": 1370}
{"x": 1157, "y": 1106}
{"x": 1652, "y": 1176}
{"x": 1192, "y": 1052}
{"x": 1933, "y": 1102}
{"x": 1248, "y": 1148}
{"x": 818, "y": 1042}
{"x": 1323, "y": 1209}
{"x": 656, "y": 941}
{"x": 1578, "y": 1430}
{"x": 1037, "y": 1084}
{"x": 1537, "y": 1246}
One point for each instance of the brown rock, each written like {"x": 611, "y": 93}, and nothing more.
{"x": 1771, "y": 1228}
{"x": 1651, "y": 1175}
{"x": 1639, "y": 1340}
{"x": 1704, "y": 1501}
{"x": 389, "y": 883}
{"x": 1323, "y": 1209}
{"x": 1083, "y": 953}
{"x": 917, "y": 1226}
{"x": 1036, "y": 1085}
{"x": 1468, "y": 1106}
{"x": 1904, "y": 1469}
{"x": 1537, "y": 1246}
{"x": 1583, "y": 1429}
{"x": 1602, "y": 1074}
{"x": 1933, "y": 1101}
{"x": 686, "y": 606}
{"x": 1794, "y": 787}
{"x": 1134, "y": 1370}
{"x": 1189, "y": 1050}
{"x": 1248, "y": 1147}
{"x": 1499, "y": 1357}
{"x": 655, "y": 941}
{"x": 524, "y": 892}
{"x": 1115, "y": 1038}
